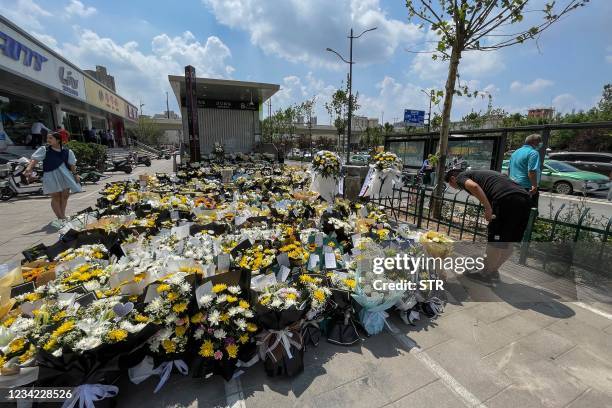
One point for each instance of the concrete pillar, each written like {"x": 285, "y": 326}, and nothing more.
{"x": 88, "y": 122}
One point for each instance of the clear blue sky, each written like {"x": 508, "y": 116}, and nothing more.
{"x": 284, "y": 41}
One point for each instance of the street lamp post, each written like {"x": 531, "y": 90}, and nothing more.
{"x": 430, "y": 95}
{"x": 350, "y": 87}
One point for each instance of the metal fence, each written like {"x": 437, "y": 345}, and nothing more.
{"x": 463, "y": 219}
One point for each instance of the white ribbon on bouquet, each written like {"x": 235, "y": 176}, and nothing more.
{"x": 86, "y": 394}
{"x": 146, "y": 369}
{"x": 283, "y": 336}
{"x": 327, "y": 187}
{"x": 383, "y": 181}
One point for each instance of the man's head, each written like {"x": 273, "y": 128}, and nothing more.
{"x": 534, "y": 140}
{"x": 451, "y": 177}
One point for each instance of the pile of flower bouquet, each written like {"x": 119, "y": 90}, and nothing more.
{"x": 183, "y": 273}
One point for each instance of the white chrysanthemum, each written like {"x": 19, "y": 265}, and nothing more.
{"x": 92, "y": 285}
{"x": 185, "y": 287}
{"x": 219, "y": 334}
{"x": 213, "y": 317}
{"x": 21, "y": 324}
{"x": 131, "y": 328}
{"x": 88, "y": 343}
{"x": 234, "y": 289}
{"x": 290, "y": 302}
{"x": 198, "y": 333}
{"x": 247, "y": 313}
{"x": 206, "y": 300}
{"x": 171, "y": 318}
{"x": 276, "y": 303}
{"x": 234, "y": 310}
{"x": 57, "y": 353}
{"x": 241, "y": 324}
{"x": 221, "y": 298}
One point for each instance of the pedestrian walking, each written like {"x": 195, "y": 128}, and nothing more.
{"x": 525, "y": 166}
{"x": 37, "y": 133}
{"x": 59, "y": 173}
{"x": 506, "y": 207}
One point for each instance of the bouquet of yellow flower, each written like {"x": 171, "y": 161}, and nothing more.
{"x": 256, "y": 258}
{"x": 170, "y": 310}
{"x": 281, "y": 309}
{"x": 222, "y": 329}
{"x": 437, "y": 245}
{"x": 326, "y": 163}
{"x": 386, "y": 160}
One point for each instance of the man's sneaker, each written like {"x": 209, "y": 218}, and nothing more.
{"x": 57, "y": 224}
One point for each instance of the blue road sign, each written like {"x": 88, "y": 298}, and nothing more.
{"x": 414, "y": 117}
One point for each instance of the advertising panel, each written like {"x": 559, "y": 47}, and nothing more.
{"x": 25, "y": 58}
{"x": 104, "y": 99}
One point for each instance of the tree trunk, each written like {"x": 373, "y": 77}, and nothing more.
{"x": 445, "y": 128}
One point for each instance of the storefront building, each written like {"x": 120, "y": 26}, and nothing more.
{"x": 229, "y": 112}
{"x": 37, "y": 84}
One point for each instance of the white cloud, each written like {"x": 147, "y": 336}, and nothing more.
{"x": 567, "y": 102}
{"x": 76, "y": 8}
{"x": 300, "y": 31}
{"x": 143, "y": 76}
{"x": 46, "y": 39}
{"x": 472, "y": 63}
{"x": 25, "y": 13}
{"x": 535, "y": 86}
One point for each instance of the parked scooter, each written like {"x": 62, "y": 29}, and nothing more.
{"x": 89, "y": 175}
{"x": 16, "y": 182}
{"x": 142, "y": 159}
{"x": 124, "y": 164}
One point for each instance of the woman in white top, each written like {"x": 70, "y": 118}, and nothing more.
{"x": 59, "y": 172}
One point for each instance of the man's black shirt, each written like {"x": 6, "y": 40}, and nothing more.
{"x": 495, "y": 185}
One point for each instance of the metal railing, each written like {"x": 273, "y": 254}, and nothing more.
{"x": 463, "y": 219}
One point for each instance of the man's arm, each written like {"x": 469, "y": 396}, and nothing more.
{"x": 533, "y": 166}
{"x": 474, "y": 189}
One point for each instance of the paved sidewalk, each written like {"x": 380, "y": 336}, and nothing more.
{"x": 522, "y": 348}
{"x": 24, "y": 220}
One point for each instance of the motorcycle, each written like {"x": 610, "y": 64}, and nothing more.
{"x": 89, "y": 175}
{"x": 16, "y": 183}
{"x": 146, "y": 160}
{"x": 125, "y": 165}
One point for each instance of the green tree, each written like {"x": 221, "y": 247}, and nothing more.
{"x": 337, "y": 107}
{"x": 474, "y": 25}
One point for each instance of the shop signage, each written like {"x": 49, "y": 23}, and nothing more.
{"x": 132, "y": 111}
{"x": 14, "y": 49}
{"x": 104, "y": 99}
{"x": 221, "y": 104}
{"x": 26, "y": 58}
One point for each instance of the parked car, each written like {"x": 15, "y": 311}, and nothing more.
{"x": 590, "y": 161}
{"x": 563, "y": 178}
{"x": 360, "y": 159}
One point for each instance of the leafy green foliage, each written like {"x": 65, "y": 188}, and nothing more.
{"x": 88, "y": 154}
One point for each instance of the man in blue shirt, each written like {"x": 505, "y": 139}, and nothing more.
{"x": 525, "y": 166}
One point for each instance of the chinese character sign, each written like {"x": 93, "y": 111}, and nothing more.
{"x": 414, "y": 117}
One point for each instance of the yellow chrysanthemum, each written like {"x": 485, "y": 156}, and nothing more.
{"x": 141, "y": 318}
{"x": 16, "y": 345}
{"x": 244, "y": 304}
{"x": 117, "y": 335}
{"x": 179, "y": 307}
{"x": 251, "y": 327}
{"x": 232, "y": 350}
{"x": 169, "y": 346}
{"x": 207, "y": 349}
{"x": 197, "y": 318}
{"x": 319, "y": 295}
{"x": 219, "y": 287}
{"x": 351, "y": 283}
{"x": 231, "y": 299}
{"x": 172, "y": 296}
{"x": 243, "y": 339}
{"x": 164, "y": 287}
{"x": 180, "y": 330}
